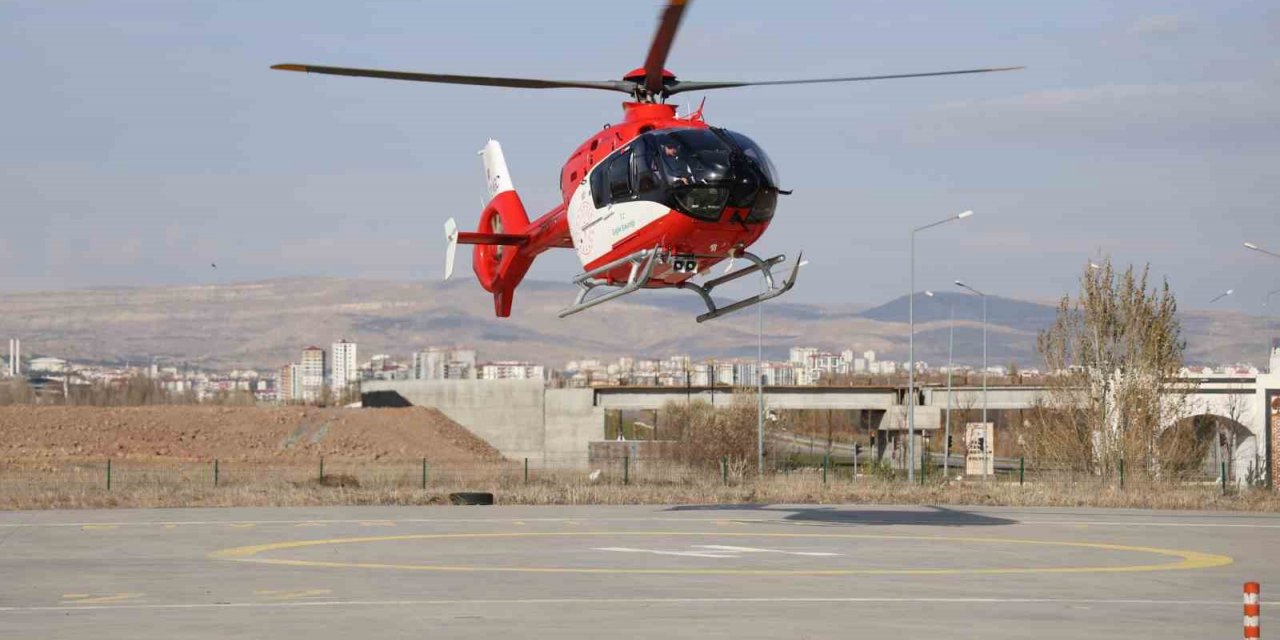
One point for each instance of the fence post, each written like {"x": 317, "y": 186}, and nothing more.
{"x": 1224, "y": 478}
{"x": 724, "y": 470}
{"x": 626, "y": 469}
{"x": 1022, "y": 470}
{"x": 1121, "y": 473}
{"x": 826, "y": 459}
{"x": 1252, "y": 611}
{"x": 526, "y": 471}
{"x": 424, "y": 474}
{"x": 215, "y": 472}
{"x": 108, "y": 474}
{"x": 321, "y": 468}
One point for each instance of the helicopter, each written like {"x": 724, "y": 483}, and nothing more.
{"x": 652, "y": 202}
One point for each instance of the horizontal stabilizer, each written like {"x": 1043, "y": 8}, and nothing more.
{"x": 505, "y": 239}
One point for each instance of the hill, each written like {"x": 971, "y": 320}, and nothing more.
{"x": 264, "y": 324}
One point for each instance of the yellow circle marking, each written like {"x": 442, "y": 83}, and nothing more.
{"x": 1184, "y": 559}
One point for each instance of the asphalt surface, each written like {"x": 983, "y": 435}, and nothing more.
{"x": 625, "y": 572}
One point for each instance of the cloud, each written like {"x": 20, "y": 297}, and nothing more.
{"x": 1160, "y": 25}
{"x": 1200, "y": 115}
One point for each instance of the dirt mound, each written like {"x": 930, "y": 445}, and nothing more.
{"x": 35, "y": 433}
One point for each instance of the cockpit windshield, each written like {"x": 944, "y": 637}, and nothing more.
{"x": 756, "y": 154}
{"x": 696, "y": 171}
{"x": 691, "y": 156}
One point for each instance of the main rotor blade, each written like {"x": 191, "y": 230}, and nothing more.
{"x": 661, "y": 46}
{"x": 487, "y": 81}
{"x": 681, "y": 87}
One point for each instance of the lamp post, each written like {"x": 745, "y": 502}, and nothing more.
{"x": 911, "y": 346}
{"x": 760, "y": 376}
{"x": 951, "y": 347}
{"x": 951, "y": 344}
{"x": 1217, "y": 430}
{"x": 1253, "y": 247}
{"x": 1265, "y": 302}
{"x": 984, "y": 359}
{"x": 1104, "y": 377}
{"x": 760, "y": 381}
{"x": 1212, "y": 327}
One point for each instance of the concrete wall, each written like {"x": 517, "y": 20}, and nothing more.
{"x": 775, "y": 398}
{"x": 507, "y": 414}
{"x": 1268, "y": 391}
{"x": 572, "y": 421}
{"x": 997, "y": 397}
{"x": 520, "y": 418}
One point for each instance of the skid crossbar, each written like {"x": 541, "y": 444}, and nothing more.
{"x": 642, "y": 265}
{"x": 757, "y": 265}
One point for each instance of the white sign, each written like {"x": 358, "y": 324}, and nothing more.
{"x": 979, "y": 439}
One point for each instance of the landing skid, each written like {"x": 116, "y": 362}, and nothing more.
{"x": 642, "y": 265}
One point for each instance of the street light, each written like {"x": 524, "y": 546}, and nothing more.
{"x": 1213, "y": 328}
{"x": 951, "y": 346}
{"x": 911, "y": 346}
{"x": 1253, "y": 247}
{"x": 764, "y": 284}
{"x": 984, "y": 359}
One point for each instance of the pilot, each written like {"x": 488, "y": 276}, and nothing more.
{"x": 677, "y": 168}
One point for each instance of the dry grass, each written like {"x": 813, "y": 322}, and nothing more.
{"x": 190, "y": 485}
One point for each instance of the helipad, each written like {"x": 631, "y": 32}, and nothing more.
{"x": 718, "y": 571}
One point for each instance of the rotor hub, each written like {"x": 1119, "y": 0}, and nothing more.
{"x": 642, "y": 93}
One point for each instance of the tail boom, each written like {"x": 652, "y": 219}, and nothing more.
{"x": 505, "y": 241}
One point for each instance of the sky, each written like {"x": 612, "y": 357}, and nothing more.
{"x": 142, "y": 141}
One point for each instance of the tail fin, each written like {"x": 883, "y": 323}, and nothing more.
{"x": 500, "y": 260}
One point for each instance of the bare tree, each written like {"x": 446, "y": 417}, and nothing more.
{"x": 709, "y": 434}
{"x": 16, "y": 391}
{"x": 1113, "y": 354}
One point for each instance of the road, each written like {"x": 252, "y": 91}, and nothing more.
{"x": 628, "y": 572}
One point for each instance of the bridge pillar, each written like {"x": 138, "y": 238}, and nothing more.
{"x": 1272, "y": 430}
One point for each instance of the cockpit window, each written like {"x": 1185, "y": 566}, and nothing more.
{"x": 691, "y": 156}
{"x": 699, "y": 172}
{"x": 619, "y": 176}
{"x": 645, "y": 173}
{"x": 757, "y": 155}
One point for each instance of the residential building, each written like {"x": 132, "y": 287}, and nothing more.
{"x": 434, "y": 363}
{"x": 803, "y": 355}
{"x": 312, "y": 370}
{"x": 511, "y": 370}
{"x": 345, "y": 371}
{"x": 429, "y": 364}
{"x": 289, "y": 383}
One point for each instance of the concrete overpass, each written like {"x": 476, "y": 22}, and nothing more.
{"x": 522, "y": 419}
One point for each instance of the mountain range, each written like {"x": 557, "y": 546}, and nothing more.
{"x": 265, "y": 324}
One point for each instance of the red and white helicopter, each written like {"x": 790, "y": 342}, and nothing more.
{"x": 649, "y": 202}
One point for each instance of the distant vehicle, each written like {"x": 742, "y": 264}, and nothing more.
{"x": 650, "y": 202}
